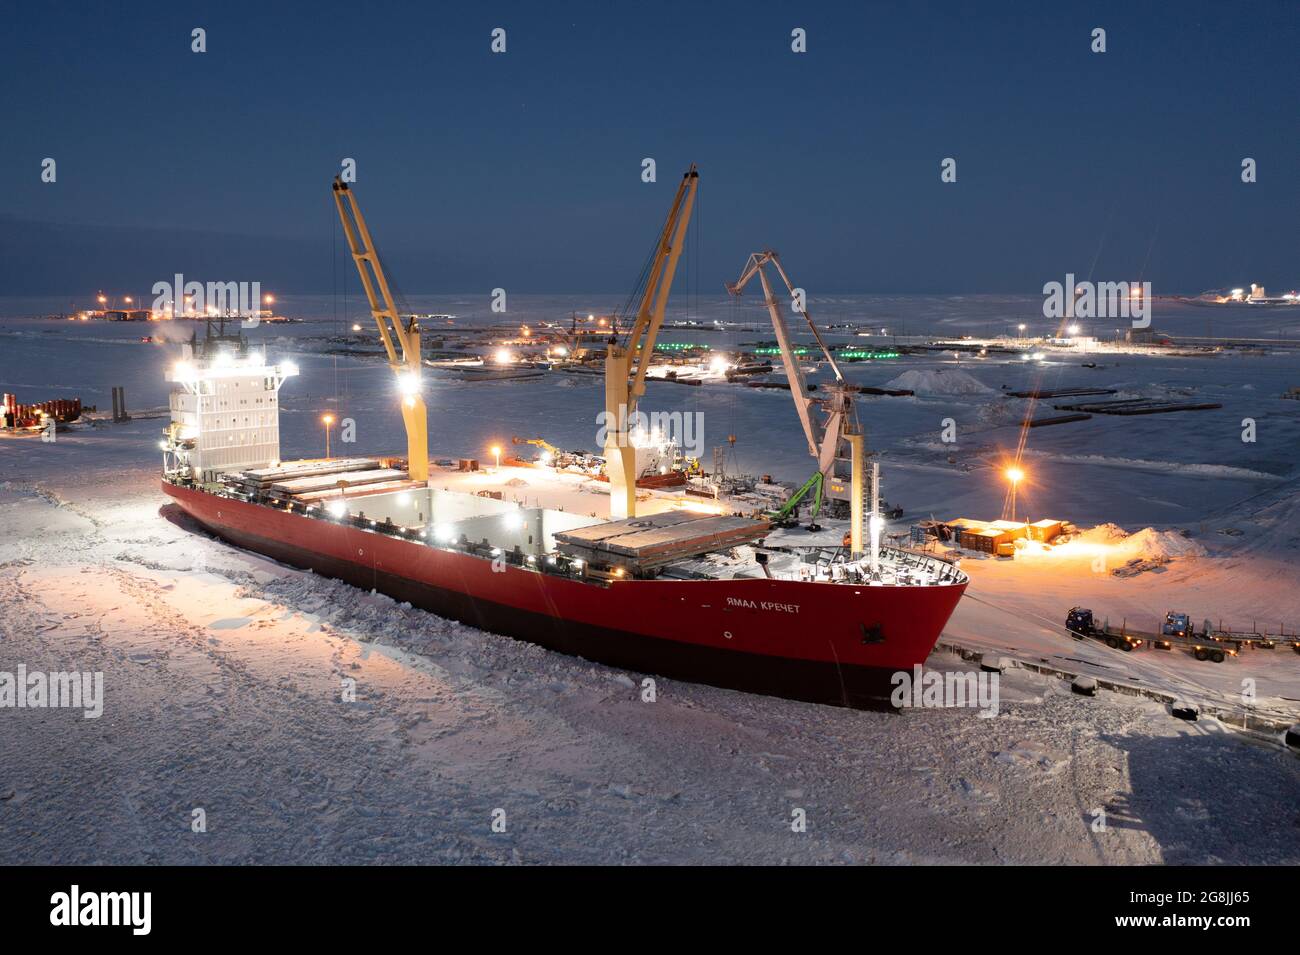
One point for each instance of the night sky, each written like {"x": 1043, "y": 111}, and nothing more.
{"x": 522, "y": 170}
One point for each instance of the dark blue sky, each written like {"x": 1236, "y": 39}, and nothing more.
{"x": 522, "y": 170}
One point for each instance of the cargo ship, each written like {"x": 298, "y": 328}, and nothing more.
{"x": 678, "y": 594}
{"x": 657, "y": 586}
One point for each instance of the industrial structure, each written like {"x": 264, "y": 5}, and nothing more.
{"x": 627, "y": 361}
{"x": 225, "y": 412}
{"x": 401, "y": 337}
{"x": 824, "y": 435}
{"x": 697, "y": 596}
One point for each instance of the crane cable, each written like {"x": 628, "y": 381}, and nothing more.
{"x": 638, "y": 289}
{"x": 334, "y": 292}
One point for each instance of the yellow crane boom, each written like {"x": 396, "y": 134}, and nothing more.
{"x": 401, "y": 338}
{"x": 626, "y": 364}
{"x": 538, "y": 443}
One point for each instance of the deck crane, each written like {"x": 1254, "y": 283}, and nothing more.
{"x": 401, "y": 338}
{"x": 840, "y": 422}
{"x": 626, "y": 362}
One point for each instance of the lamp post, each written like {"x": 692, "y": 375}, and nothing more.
{"x": 496, "y": 450}
{"x": 1015, "y": 476}
{"x": 327, "y": 420}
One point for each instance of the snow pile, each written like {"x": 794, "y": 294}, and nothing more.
{"x": 939, "y": 381}
{"x": 1146, "y": 544}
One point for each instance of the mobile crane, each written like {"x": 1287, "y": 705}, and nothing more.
{"x": 401, "y": 337}
{"x": 840, "y": 420}
{"x": 626, "y": 362}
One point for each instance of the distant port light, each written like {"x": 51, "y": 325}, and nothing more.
{"x": 854, "y": 354}
{"x": 1015, "y": 475}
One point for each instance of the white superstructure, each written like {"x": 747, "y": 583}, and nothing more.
{"x": 225, "y": 410}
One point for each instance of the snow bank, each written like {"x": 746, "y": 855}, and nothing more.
{"x": 939, "y": 381}
{"x": 1146, "y": 544}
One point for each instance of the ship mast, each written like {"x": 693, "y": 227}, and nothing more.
{"x": 401, "y": 339}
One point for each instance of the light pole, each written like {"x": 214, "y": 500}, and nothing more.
{"x": 327, "y": 420}
{"x": 1015, "y": 476}
{"x": 496, "y": 450}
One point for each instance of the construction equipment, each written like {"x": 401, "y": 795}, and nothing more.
{"x": 550, "y": 453}
{"x": 1175, "y": 630}
{"x": 626, "y": 362}
{"x": 840, "y": 424}
{"x": 1080, "y": 622}
{"x": 536, "y": 442}
{"x": 395, "y": 333}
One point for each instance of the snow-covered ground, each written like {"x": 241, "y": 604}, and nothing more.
{"x": 224, "y": 672}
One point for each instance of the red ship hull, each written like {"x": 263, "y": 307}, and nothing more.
{"x": 821, "y": 642}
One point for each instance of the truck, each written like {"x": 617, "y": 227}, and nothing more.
{"x": 1081, "y": 622}
{"x": 1176, "y": 630}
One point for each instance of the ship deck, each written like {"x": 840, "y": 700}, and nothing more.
{"x": 556, "y": 519}
{"x": 570, "y": 491}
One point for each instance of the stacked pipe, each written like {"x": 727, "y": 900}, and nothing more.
{"x": 29, "y": 416}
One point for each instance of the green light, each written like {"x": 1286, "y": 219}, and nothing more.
{"x": 857, "y": 353}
